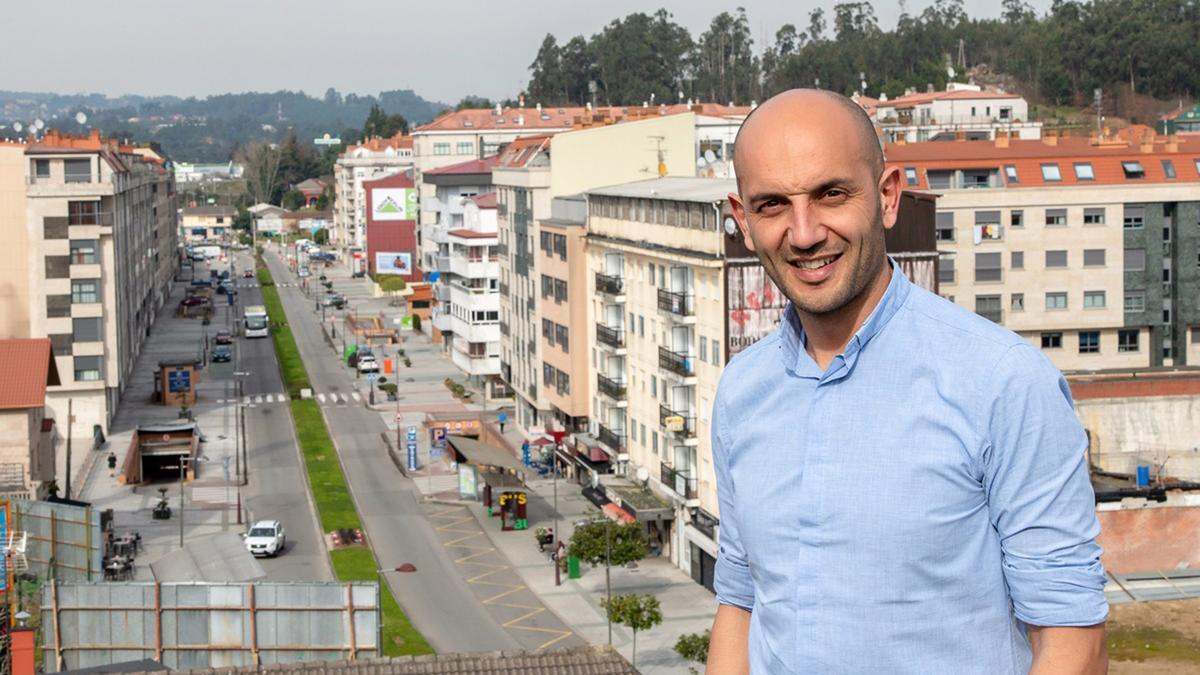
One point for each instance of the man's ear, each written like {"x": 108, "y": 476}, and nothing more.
{"x": 739, "y": 214}
{"x": 890, "y": 188}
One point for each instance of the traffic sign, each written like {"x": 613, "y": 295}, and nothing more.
{"x": 371, "y": 377}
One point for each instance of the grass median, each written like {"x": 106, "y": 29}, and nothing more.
{"x": 331, "y": 494}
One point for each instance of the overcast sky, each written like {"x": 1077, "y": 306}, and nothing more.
{"x": 441, "y": 49}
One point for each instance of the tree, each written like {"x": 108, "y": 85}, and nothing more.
{"x": 724, "y": 66}
{"x": 471, "y": 101}
{"x": 293, "y": 200}
{"x": 260, "y": 167}
{"x": 383, "y": 125}
{"x": 636, "y": 612}
{"x": 591, "y": 543}
{"x": 816, "y": 25}
{"x": 694, "y": 647}
{"x": 297, "y": 162}
{"x": 321, "y": 237}
{"x": 546, "y": 82}
{"x": 641, "y": 58}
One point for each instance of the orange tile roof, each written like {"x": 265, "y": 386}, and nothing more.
{"x": 377, "y": 144}
{"x": 485, "y": 201}
{"x": 1028, "y": 156}
{"x": 484, "y": 165}
{"x": 472, "y": 234}
{"x": 560, "y": 118}
{"x": 518, "y": 153}
{"x": 26, "y": 368}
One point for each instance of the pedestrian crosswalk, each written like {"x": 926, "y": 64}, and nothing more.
{"x": 264, "y": 398}
{"x": 330, "y": 398}
{"x": 338, "y": 398}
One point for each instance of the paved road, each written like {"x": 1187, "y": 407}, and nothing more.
{"x": 277, "y": 487}
{"x": 436, "y": 599}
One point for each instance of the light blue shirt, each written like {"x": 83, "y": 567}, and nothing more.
{"x": 909, "y": 508}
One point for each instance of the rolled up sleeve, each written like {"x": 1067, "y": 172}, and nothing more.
{"x": 1040, "y": 497}
{"x": 733, "y": 583}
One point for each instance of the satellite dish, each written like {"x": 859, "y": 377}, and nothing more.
{"x": 81, "y": 118}
{"x": 643, "y": 475}
{"x": 39, "y": 124}
{"x": 17, "y": 127}
{"x": 730, "y": 225}
{"x": 950, "y": 72}
{"x": 710, "y": 156}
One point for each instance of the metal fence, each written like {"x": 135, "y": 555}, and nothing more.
{"x": 64, "y": 540}
{"x": 204, "y": 625}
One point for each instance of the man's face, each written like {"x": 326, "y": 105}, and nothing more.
{"x": 812, "y": 206}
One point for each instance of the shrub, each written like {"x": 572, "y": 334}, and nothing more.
{"x": 390, "y": 283}
{"x": 416, "y": 323}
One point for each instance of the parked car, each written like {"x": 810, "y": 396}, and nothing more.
{"x": 222, "y": 354}
{"x": 265, "y": 538}
{"x": 248, "y": 274}
{"x": 193, "y": 300}
{"x": 367, "y": 363}
{"x": 302, "y": 272}
{"x": 332, "y": 299}
{"x": 223, "y": 337}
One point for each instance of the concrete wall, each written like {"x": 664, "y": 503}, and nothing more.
{"x": 1126, "y": 432}
{"x": 1154, "y": 538}
{"x": 620, "y": 153}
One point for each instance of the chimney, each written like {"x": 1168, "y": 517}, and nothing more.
{"x": 1050, "y": 138}
{"x": 1172, "y": 143}
{"x": 499, "y": 111}
{"x": 960, "y": 136}
{"x": 95, "y": 134}
{"x": 1001, "y": 139}
{"x": 521, "y": 100}
{"x": 539, "y": 108}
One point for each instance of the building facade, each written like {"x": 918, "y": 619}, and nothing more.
{"x": 207, "y": 224}
{"x": 965, "y": 110}
{"x": 561, "y": 264}
{"x": 1087, "y": 247}
{"x": 391, "y": 226}
{"x": 369, "y": 160}
{"x": 27, "y": 436}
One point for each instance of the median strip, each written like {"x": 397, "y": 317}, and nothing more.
{"x": 335, "y": 507}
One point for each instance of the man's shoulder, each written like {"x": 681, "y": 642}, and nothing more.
{"x": 945, "y": 329}
{"x": 760, "y": 362}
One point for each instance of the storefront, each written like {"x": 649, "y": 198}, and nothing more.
{"x": 701, "y": 537}
{"x": 635, "y": 503}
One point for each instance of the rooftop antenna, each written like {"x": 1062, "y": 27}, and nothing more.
{"x": 1098, "y": 100}
{"x": 962, "y": 53}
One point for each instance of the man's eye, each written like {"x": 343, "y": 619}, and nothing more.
{"x": 769, "y": 204}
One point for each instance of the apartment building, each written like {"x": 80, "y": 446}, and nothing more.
{"x": 391, "y": 226}
{"x": 1087, "y": 247}
{"x": 211, "y": 224}
{"x": 561, "y": 266}
{"x": 27, "y": 436}
{"x": 962, "y": 109}
{"x": 468, "y": 316}
{"x": 98, "y": 238}
{"x": 372, "y": 159}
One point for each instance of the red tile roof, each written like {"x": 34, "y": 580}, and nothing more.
{"x": 1106, "y": 158}
{"x": 518, "y": 153}
{"x": 472, "y": 234}
{"x": 485, "y": 201}
{"x": 377, "y": 144}
{"x": 26, "y": 368}
{"x": 484, "y": 165}
{"x": 553, "y": 118}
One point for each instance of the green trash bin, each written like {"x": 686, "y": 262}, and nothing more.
{"x": 572, "y": 567}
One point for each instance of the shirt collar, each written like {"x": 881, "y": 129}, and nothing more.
{"x": 796, "y": 358}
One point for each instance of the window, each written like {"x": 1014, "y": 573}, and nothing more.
{"x": 86, "y": 330}
{"x": 1093, "y": 216}
{"x": 60, "y": 344}
{"x": 945, "y": 226}
{"x": 987, "y": 267}
{"x": 560, "y": 291}
{"x": 910, "y": 175}
{"x": 58, "y": 266}
{"x": 1196, "y": 331}
{"x": 1050, "y": 173}
{"x": 641, "y": 326}
{"x": 1018, "y": 260}
{"x": 1016, "y": 219}
{"x": 1197, "y": 163}
{"x": 1051, "y": 340}
{"x": 1135, "y": 259}
{"x": 1056, "y": 301}
{"x": 1133, "y": 170}
{"x": 1083, "y": 171}
{"x": 87, "y": 368}
{"x": 1017, "y": 302}
{"x": 83, "y": 251}
{"x": 1135, "y": 217}
{"x": 561, "y": 336}
{"x": 1010, "y": 172}
{"x": 716, "y": 353}
{"x": 84, "y": 291}
{"x": 547, "y": 375}
{"x": 703, "y": 348}
{"x": 441, "y": 148}
{"x": 563, "y": 386}
{"x": 41, "y": 168}
{"x": 464, "y": 148}
{"x": 1093, "y": 257}
{"x": 1089, "y": 342}
{"x": 1056, "y": 217}
{"x": 77, "y": 171}
{"x": 1093, "y": 300}
{"x": 1135, "y": 303}
{"x": 83, "y": 213}
{"x": 1056, "y": 259}
{"x": 946, "y": 269}
{"x": 1168, "y": 168}
{"x": 58, "y": 306}
{"x": 988, "y": 306}
{"x": 987, "y": 226}
{"x": 548, "y": 330}
{"x": 1127, "y": 340}
{"x": 654, "y": 441}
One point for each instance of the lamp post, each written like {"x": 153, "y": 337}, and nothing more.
{"x": 558, "y": 438}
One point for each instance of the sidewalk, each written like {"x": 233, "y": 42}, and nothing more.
{"x": 687, "y": 607}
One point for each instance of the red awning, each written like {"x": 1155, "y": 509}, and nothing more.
{"x": 618, "y": 514}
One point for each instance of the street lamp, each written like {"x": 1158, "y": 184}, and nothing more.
{"x": 558, "y": 438}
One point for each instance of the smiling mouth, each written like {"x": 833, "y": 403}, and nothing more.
{"x": 815, "y": 263}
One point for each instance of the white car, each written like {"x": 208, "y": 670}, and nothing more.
{"x": 265, "y": 538}
{"x": 368, "y": 364}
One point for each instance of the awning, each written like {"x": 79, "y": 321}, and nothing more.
{"x": 617, "y": 513}
{"x": 595, "y": 496}
{"x": 502, "y": 481}
{"x": 482, "y": 454}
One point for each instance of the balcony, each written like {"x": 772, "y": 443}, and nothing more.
{"x": 614, "y": 389}
{"x": 610, "y": 285}
{"x": 679, "y": 304}
{"x": 442, "y": 263}
{"x": 680, "y": 424}
{"x": 675, "y": 362}
{"x": 615, "y": 440}
{"x": 503, "y": 288}
{"x": 502, "y": 249}
{"x": 613, "y": 337}
{"x": 79, "y": 219}
{"x": 679, "y": 482}
{"x": 441, "y": 292}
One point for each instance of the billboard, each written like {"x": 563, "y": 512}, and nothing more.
{"x": 394, "y": 204}
{"x": 753, "y": 305}
{"x": 393, "y": 263}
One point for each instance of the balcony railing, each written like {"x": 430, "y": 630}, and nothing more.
{"x": 613, "y": 439}
{"x": 609, "y": 284}
{"x": 442, "y": 263}
{"x": 678, "y": 423}
{"x": 502, "y": 249}
{"x": 504, "y": 329}
{"x": 677, "y": 481}
{"x": 96, "y": 218}
{"x": 675, "y": 362}
{"x": 614, "y": 389}
{"x": 613, "y": 337}
{"x": 679, "y": 304}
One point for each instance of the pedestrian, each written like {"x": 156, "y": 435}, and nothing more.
{"x": 112, "y": 464}
{"x": 502, "y": 419}
{"x": 902, "y": 484}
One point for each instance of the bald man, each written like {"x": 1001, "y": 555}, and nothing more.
{"x": 902, "y": 483}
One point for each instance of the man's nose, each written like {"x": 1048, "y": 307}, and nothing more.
{"x": 805, "y": 230}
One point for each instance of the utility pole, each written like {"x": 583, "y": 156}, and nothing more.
{"x": 70, "y": 426}
{"x": 607, "y": 576}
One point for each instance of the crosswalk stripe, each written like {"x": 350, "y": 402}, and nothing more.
{"x": 357, "y": 397}
{"x": 258, "y": 399}
{"x": 321, "y": 398}
{"x": 246, "y": 400}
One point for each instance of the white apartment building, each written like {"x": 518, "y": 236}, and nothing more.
{"x": 371, "y": 159}
{"x": 93, "y": 256}
{"x": 1087, "y": 247}
{"x": 965, "y": 110}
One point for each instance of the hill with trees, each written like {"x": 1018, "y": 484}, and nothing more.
{"x": 1140, "y": 47}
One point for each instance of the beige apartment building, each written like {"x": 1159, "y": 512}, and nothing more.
{"x": 372, "y": 159}
{"x": 562, "y": 283}
{"x": 96, "y": 223}
{"x": 1087, "y": 247}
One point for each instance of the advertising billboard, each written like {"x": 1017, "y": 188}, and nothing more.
{"x": 753, "y": 305}
{"x": 394, "y": 203}
{"x": 393, "y": 263}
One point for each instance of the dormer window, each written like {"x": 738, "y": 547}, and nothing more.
{"x": 1133, "y": 170}
{"x": 1051, "y": 173}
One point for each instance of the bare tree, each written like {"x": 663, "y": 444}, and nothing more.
{"x": 260, "y": 164}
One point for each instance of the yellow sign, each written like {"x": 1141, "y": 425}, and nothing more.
{"x": 673, "y": 423}
{"x": 508, "y": 496}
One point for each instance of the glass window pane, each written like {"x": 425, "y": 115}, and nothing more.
{"x": 1050, "y": 173}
